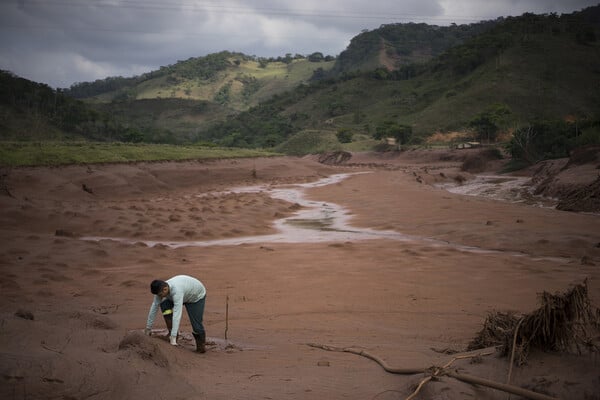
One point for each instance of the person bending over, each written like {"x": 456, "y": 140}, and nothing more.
{"x": 170, "y": 296}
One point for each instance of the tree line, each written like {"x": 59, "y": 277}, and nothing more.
{"x": 27, "y": 100}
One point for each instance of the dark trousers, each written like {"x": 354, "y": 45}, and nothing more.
{"x": 194, "y": 310}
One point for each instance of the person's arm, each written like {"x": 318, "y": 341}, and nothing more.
{"x": 152, "y": 314}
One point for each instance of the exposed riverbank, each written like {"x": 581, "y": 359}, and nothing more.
{"x": 74, "y": 309}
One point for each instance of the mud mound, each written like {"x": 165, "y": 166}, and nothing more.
{"x": 92, "y": 321}
{"x": 585, "y": 199}
{"x": 573, "y": 181}
{"x": 138, "y": 345}
{"x": 584, "y": 155}
{"x": 334, "y": 158}
{"x": 480, "y": 161}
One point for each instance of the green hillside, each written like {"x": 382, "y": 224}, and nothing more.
{"x": 174, "y": 103}
{"x": 233, "y": 80}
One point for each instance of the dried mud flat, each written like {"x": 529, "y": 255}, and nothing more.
{"x": 73, "y": 309}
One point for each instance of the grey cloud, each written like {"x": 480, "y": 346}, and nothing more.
{"x": 60, "y": 42}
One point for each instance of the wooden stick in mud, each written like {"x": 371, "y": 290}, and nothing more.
{"x": 226, "y": 316}
{"x": 364, "y": 353}
{"x": 499, "y": 386}
{"x": 437, "y": 371}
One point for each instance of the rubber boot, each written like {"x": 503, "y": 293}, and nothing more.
{"x": 200, "y": 342}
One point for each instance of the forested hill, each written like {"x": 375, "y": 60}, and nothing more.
{"x": 31, "y": 110}
{"x": 394, "y": 45}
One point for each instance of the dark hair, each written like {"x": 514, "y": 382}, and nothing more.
{"x": 156, "y": 286}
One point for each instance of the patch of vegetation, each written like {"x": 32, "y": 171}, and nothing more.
{"x": 543, "y": 140}
{"x": 34, "y": 110}
{"x": 169, "y": 121}
{"x": 344, "y": 135}
{"x": 222, "y": 96}
{"x": 15, "y": 154}
{"x": 310, "y": 142}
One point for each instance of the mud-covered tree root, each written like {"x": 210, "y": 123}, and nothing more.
{"x": 434, "y": 372}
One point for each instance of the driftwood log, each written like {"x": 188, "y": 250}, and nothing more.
{"x": 434, "y": 372}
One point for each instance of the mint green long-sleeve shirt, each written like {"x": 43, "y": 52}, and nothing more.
{"x": 182, "y": 289}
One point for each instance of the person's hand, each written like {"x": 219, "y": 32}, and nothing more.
{"x": 173, "y": 340}
{"x": 148, "y": 331}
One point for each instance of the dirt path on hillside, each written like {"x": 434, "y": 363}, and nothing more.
{"x": 74, "y": 309}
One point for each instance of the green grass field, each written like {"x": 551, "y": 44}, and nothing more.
{"x": 15, "y": 154}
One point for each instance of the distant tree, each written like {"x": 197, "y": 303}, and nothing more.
{"x": 402, "y": 133}
{"x": 487, "y": 123}
{"x": 381, "y": 74}
{"x": 543, "y": 140}
{"x": 484, "y": 126}
{"x": 316, "y": 57}
{"x": 521, "y": 146}
{"x": 336, "y": 108}
{"x": 271, "y": 140}
{"x": 133, "y": 135}
{"x": 344, "y": 135}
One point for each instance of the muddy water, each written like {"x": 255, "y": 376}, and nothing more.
{"x": 514, "y": 189}
{"x": 319, "y": 221}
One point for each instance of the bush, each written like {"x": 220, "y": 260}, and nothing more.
{"x": 309, "y": 142}
{"x": 589, "y": 136}
{"x": 344, "y": 135}
{"x": 543, "y": 140}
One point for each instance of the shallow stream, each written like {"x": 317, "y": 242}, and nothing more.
{"x": 319, "y": 221}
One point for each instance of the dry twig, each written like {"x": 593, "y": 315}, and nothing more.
{"x": 440, "y": 371}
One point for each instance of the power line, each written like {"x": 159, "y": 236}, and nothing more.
{"x": 230, "y": 9}
{"x": 188, "y": 7}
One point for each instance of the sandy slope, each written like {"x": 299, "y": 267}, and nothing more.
{"x": 398, "y": 299}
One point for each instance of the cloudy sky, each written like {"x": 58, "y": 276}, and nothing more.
{"x": 60, "y": 42}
